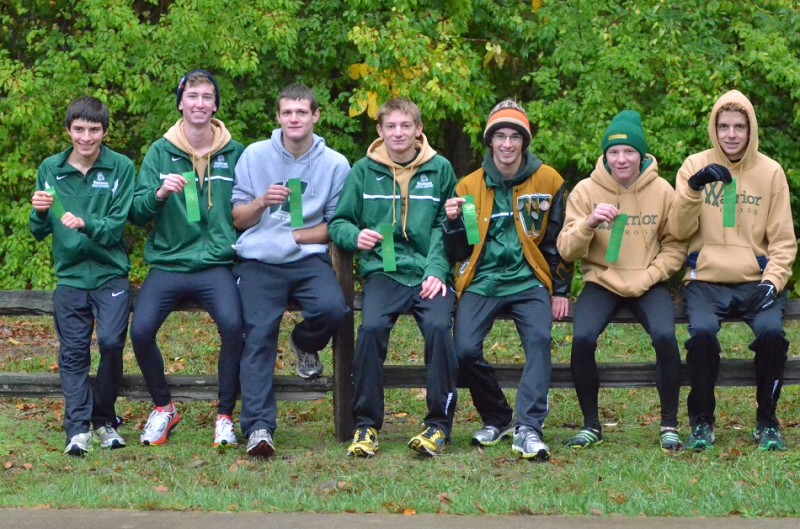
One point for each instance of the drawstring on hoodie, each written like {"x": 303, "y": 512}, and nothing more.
{"x": 200, "y": 164}
{"x": 201, "y": 177}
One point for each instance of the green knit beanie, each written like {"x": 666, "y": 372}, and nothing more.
{"x": 626, "y": 129}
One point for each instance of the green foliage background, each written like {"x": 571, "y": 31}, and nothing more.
{"x": 574, "y": 64}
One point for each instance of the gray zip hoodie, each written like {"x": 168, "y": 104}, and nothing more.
{"x": 322, "y": 172}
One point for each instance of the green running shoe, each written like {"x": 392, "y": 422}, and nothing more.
{"x": 585, "y": 438}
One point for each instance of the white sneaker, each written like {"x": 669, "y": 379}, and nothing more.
{"x": 159, "y": 425}
{"x": 529, "y": 445}
{"x": 260, "y": 444}
{"x": 109, "y": 437}
{"x": 79, "y": 445}
{"x": 223, "y": 432}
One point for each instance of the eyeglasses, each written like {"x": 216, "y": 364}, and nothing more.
{"x": 501, "y": 138}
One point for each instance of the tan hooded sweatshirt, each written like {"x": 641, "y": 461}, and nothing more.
{"x": 764, "y": 225}
{"x": 401, "y": 175}
{"x": 201, "y": 164}
{"x": 649, "y": 254}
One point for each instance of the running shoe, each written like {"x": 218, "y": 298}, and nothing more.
{"x": 430, "y": 442}
{"x": 224, "y": 434}
{"x": 491, "y": 435}
{"x": 585, "y": 438}
{"x": 365, "y": 442}
{"x": 529, "y": 445}
{"x": 159, "y": 425}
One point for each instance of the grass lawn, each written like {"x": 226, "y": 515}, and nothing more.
{"x": 626, "y": 475}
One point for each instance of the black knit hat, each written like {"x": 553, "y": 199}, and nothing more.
{"x": 182, "y": 87}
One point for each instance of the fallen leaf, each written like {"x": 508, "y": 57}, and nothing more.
{"x": 197, "y": 463}
{"x": 327, "y": 487}
{"x": 596, "y": 512}
{"x": 480, "y": 508}
{"x": 27, "y": 466}
{"x": 409, "y": 512}
{"x": 161, "y": 488}
{"x": 444, "y": 498}
{"x": 8, "y": 464}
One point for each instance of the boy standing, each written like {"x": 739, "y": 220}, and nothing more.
{"x": 740, "y": 258}
{"x": 82, "y": 198}
{"x": 391, "y": 211}
{"x": 184, "y": 189}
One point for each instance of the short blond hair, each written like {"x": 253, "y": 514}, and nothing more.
{"x": 400, "y": 104}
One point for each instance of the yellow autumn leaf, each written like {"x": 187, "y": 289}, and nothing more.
{"x": 537, "y": 4}
{"x": 372, "y": 105}
{"x": 358, "y": 106}
{"x": 357, "y": 70}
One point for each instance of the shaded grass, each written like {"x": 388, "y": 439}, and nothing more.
{"x": 626, "y": 475}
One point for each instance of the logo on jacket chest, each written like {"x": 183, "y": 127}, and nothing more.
{"x": 100, "y": 181}
{"x": 532, "y": 211}
{"x": 424, "y": 183}
{"x": 219, "y": 162}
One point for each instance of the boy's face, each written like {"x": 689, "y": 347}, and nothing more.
{"x": 87, "y": 137}
{"x": 733, "y": 134}
{"x": 399, "y": 133}
{"x": 506, "y": 146}
{"x": 296, "y": 119}
{"x": 198, "y": 104}
{"x": 624, "y": 162}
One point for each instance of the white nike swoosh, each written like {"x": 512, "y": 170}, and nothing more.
{"x": 176, "y": 158}
{"x": 115, "y": 294}
{"x": 61, "y": 176}
{"x": 379, "y": 178}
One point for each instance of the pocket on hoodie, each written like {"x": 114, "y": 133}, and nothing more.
{"x": 724, "y": 263}
{"x": 627, "y": 283}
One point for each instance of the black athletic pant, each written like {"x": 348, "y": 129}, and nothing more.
{"x": 706, "y": 305}
{"x": 593, "y": 312}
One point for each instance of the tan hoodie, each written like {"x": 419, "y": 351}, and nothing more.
{"x": 201, "y": 164}
{"x": 401, "y": 175}
{"x": 764, "y": 225}
{"x": 649, "y": 254}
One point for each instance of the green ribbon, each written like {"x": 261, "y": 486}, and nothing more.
{"x": 615, "y": 241}
{"x": 387, "y": 247}
{"x": 470, "y": 220}
{"x": 729, "y": 205}
{"x": 192, "y": 200}
{"x": 295, "y": 201}
{"x": 56, "y": 208}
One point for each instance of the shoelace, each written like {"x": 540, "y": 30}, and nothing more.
{"x": 224, "y": 426}
{"x": 158, "y": 421}
{"x": 429, "y": 433}
{"x": 363, "y": 435}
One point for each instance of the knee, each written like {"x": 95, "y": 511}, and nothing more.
{"x": 771, "y": 339}
{"x": 664, "y": 342}
{"x": 143, "y": 330}
{"x": 230, "y": 328}
{"x": 110, "y": 342}
{"x": 583, "y": 341}
{"x": 468, "y": 353}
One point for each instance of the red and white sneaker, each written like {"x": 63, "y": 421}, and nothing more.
{"x": 160, "y": 423}
{"x": 224, "y": 434}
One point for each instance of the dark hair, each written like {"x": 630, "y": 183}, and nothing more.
{"x": 89, "y": 109}
{"x": 296, "y": 92}
{"x": 194, "y": 78}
